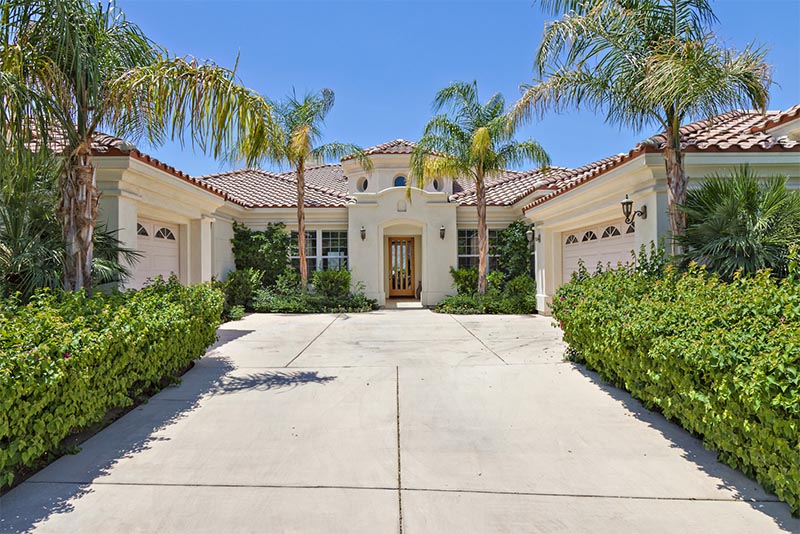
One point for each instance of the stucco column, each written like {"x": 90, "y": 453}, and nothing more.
{"x": 548, "y": 267}
{"x": 118, "y": 211}
{"x": 200, "y": 245}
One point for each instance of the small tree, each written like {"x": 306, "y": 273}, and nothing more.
{"x": 471, "y": 140}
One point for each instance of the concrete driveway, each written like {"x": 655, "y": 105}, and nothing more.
{"x": 392, "y": 421}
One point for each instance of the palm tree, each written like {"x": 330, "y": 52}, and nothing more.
{"x": 644, "y": 62}
{"x": 301, "y": 119}
{"x": 69, "y": 68}
{"x": 471, "y": 140}
{"x": 740, "y": 222}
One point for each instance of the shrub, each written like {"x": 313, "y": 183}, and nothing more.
{"x": 518, "y": 296}
{"x": 512, "y": 248}
{"x": 465, "y": 280}
{"x": 240, "y": 285}
{"x": 66, "y": 359}
{"x": 235, "y": 313}
{"x": 722, "y": 359}
{"x": 333, "y": 284}
{"x": 266, "y": 250}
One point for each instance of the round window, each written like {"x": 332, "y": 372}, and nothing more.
{"x": 400, "y": 181}
{"x": 436, "y": 185}
{"x": 363, "y": 183}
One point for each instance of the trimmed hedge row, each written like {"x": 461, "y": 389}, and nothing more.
{"x": 66, "y": 359}
{"x": 722, "y": 359}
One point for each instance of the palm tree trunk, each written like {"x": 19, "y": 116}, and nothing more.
{"x": 676, "y": 181}
{"x": 483, "y": 248}
{"x": 78, "y": 212}
{"x": 301, "y": 222}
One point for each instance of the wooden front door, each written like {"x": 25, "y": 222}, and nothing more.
{"x": 401, "y": 265}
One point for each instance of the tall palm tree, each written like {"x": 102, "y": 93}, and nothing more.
{"x": 644, "y": 62}
{"x": 740, "y": 222}
{"x": 471, "y": 140}
{"x": 301, "y": 119}
{"x": 69, "y": 68}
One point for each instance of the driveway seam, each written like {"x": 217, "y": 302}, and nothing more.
{"x": 198, "y": 485}
{"x": 399, "y": 466}
{"x": 479, "y": 339}
{"x": 313, "y": 340}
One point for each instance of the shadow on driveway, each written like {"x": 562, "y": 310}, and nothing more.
{"x": 693, "y": 450}
{"x": 41, "y": 497}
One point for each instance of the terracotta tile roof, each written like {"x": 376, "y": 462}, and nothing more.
{"x": 326, "y": 187}
{"x": 398, "y": 146}
{"x": 507, "y": 188}
{"x": 735, "y": 131}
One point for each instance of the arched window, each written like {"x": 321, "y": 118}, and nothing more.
{"x": 631, "y": 229}
{"x": 571, "y": 240}
{"x": 611, "y": 231}
{"x": 141, "y": 230}
{"x": 165, "y": 233}
{"x": 589, "y": 236}
{"x": 400, "y": 181}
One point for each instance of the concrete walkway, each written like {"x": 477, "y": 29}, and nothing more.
{"x": 393, "y": 421}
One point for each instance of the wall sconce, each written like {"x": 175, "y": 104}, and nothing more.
{"x": 363, "y": 233}
{"x": 442, "y": 230}
{"x": 529, "y": 235}
{"x": 630, "y": 215}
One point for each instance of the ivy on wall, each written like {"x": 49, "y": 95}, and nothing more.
{"x": 266, "y": 250}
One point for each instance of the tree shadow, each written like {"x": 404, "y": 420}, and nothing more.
{"x": 55, "y": 489}
{"x": 692, "y": 449}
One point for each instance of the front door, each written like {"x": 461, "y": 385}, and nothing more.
{"x": 401, "y": 274}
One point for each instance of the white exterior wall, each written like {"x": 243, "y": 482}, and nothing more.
{"x": 221, "y": 248}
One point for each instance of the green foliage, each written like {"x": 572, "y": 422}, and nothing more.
{"x": 235, "y": 313}
{"x": 240, "y": 285}
{"x": 721, "y": 358}
{"x": 518, "y": 296}
{"x": 266, "y": 250}
{"x": 512, "y": 247}
{"x": 66, "y": 359}
{"x": 741, "y": 222}
{"x": 331, "y": 294}
{"x": 332, "y": 284}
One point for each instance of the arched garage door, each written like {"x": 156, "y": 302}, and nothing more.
{"x": 158, "y": 244}
{"x": 607, "y": 243}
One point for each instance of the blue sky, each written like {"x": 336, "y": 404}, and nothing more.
{"x": 385, "y": 60}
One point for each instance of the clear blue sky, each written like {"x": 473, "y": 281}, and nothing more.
{"x": 386, "y": 59}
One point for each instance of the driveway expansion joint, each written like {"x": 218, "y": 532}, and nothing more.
{"x": 479, "y": 339}
{"x": 313, "y": 340}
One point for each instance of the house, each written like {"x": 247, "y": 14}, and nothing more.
{"x": 403, "y": 246}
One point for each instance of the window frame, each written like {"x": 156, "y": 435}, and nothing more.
{"x": 470, "y": 260}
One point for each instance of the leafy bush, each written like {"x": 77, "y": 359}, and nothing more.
{"x": 240, "y": 285}
{"x": 235, "y": 313}
{"x": 266, "y": 250}
{"x": 466, "y": 280}
{"x": 331, "y": 294}
{"x": 741, "y": 222}
{"x": 66, "y": 359}
{"x": 512, "y": 248}
{"x": 722, "y": 359}
{"x": 518, "y": 296}
{"x": 332, "y": 284}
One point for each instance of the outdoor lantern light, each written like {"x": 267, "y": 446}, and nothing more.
{"x": 529, "y": 235}
{"x": 441, "y": 231}
{"x": 363, "y": 233}
{"x": 630, "y": 215}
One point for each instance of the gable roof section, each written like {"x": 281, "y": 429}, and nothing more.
{"x": 508, "y": 188}
{"x": 735, "y": 131}
{"x": 325, "y": 187}
{"x": 398, "y": 146}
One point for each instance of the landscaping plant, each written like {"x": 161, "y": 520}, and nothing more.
{"x": 66, "y": 359}
{"x": 720, "y": 358}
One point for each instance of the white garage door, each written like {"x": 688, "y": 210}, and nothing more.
{"x": 606, "y": 243}
{"x": 158, "y": 243}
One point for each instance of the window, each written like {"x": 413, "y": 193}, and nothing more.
{"x": 363, "y": 183}
{"x": 589, "y": 236}
{"x": 400, "y": 181}
{"x": 571, "y": 240}
{"x": 437, "y": 185}
{"x": 311, "y": 251}
{"x": 631, "y": 229}
{"x": 611, "y": 231}
{"x": 165, "y": 233}
{"x": 141, "y": 230}
{"x": 468, "y": 249}
{"x": 334, "y": 249}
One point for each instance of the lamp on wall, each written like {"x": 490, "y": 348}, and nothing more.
{"x": 363, "y": 233}
{"x": 529, "y": 235}
{"x": 630, "y": 215}
{"x": 441, "y": 231}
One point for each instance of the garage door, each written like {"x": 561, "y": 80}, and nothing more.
{"x": 158, "y": 243}
{"x": 606, "y": 243}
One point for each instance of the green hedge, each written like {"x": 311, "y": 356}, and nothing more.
{"x": 66, "y": 359}
{"x": 722, "y": 359}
